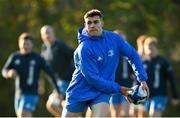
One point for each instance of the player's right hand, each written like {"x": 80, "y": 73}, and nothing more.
{"x": 125, "y": 91}
{"x": 12, "y": 73}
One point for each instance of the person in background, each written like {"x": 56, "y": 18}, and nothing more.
{"x": 124, "y": 76}
{"x": 24, "y": 66}
{"x": 140, "y": 45}
{"x": 60, "y": 58}
{"x": 160, "y": 73}
{"x": 96, "y": 59}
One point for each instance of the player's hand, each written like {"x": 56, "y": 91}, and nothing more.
{"x": 175, "y": 102}
{"x": 125, "y": 91}
{"x": 145, "y": 86}
{"x": 12, "y": 73}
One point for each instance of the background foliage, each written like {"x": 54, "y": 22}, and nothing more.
{"x": 135, "y": 17}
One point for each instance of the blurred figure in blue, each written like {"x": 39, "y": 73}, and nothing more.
{"x": 60, "y": 58}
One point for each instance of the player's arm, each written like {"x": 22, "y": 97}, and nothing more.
{"x": 8, "y": 72}
{"x": 135, "y": 61}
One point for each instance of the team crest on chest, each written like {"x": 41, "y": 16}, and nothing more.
{"x": 110, "y": 53}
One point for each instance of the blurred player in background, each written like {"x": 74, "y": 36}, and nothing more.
{"x": 140, "y": 45}
{"x": 24, "y": 67}
{"x": 119, "y": 104}
{"x": 160, "y": 73}
{"x": 60, "y": 58}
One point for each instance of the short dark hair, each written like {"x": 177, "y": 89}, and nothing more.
{"x": 26, "y": 36}
{"x": 93, "y": 12}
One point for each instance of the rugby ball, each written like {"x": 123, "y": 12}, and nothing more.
{"x": 138, "y": 95}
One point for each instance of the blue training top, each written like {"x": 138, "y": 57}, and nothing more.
{"x": 96, "y": 60}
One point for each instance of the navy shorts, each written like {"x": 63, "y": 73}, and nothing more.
{"x": 26, "y": 102}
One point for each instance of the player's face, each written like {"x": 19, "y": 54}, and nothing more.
{"x": 94, "y": 25}
{"x": 150, "y": 50}
{"x": 47, "y": 34}
{"x": 25, "y": 46}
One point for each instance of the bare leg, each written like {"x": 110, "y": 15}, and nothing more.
{"x": 100, "y": 110}
{"x": 54, "y": 105}
{"x": 55, "y": 110}
{"x": 115, "y": 110}
{"x": 71, "y": 114}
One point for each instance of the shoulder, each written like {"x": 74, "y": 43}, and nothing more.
{"x": 113, "y": 35}
{"x": 84, "y": 47}
{"x": 15, "y": 54}
{"x": 61, "y": 45}
{"x": 165, "y": 61}
{"x": 37, "y": 56}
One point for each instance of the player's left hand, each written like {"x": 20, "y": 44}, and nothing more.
{"x": 145, "y": 86}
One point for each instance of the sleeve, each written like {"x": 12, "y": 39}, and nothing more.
{"x": 52, "y": 76}
{"x": 171, "y": 78}
{"x": 8, "y": 65}
{"x": 133, "y": 58}
{"x": 90, "y": 71}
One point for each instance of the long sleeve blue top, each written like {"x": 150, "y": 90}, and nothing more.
{"x": 96, "y": 60}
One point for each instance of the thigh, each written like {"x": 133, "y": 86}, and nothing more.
{"x": 101, "y": 109}
{"x": 54, "y": 99}
{"x": 75, "y": 109}
{"x": 100, "y": 106}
